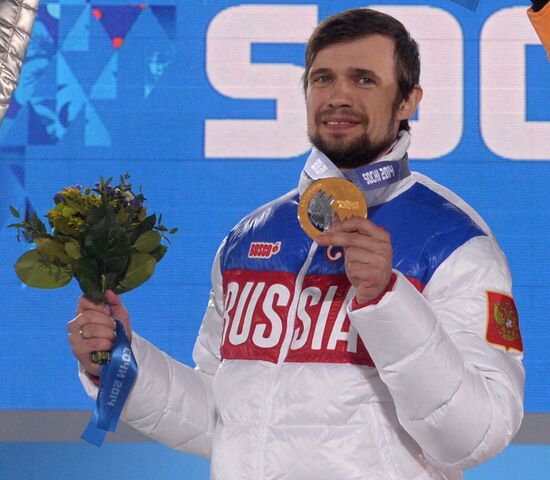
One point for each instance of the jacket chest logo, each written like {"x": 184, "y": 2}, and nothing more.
{"x": 263, "y": 250}
{"x": 260, "y": 307}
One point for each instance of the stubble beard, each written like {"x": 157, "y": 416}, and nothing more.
{"x": 355, "y": 153}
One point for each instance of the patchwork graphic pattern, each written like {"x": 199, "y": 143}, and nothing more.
{"x": 73, "y": 67}
{"x": 71, "y": 75}
{"x": 469, "y": 4}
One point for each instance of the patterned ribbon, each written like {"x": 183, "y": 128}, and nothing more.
{"x": 115, "y": 382}
{"x": 367, "y": 177}
{"x": 379, "y": 174}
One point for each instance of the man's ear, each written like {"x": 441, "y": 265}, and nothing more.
{"x": 408, "y": 105}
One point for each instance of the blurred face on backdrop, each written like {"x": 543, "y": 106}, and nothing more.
{"x": 352, "y": 99}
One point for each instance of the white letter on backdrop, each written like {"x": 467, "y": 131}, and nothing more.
{"x": 504, "y": 127}
{"x": 230, "y": 71}
{"x": 440, "y": 123}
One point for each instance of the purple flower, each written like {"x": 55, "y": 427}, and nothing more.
{"x": 109, "y": 191}
{"x": 57, "y": 198}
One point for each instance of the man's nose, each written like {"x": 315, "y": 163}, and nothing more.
{"x": 340, "y": 95}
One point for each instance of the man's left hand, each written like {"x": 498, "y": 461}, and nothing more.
{"x": 367, "y": 253}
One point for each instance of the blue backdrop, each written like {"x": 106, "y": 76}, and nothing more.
{"x": 174, "y": 92}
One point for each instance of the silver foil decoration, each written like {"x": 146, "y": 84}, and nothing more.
{"x": 16, "y": 22}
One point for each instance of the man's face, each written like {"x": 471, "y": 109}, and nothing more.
{"x": 351, "y": 100}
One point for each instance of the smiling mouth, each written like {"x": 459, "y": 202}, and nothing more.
{"x": 339, "y": 125}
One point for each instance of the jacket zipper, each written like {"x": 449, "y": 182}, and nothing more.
{"x": 285, "y": 346}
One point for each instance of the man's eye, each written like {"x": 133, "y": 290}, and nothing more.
{"x": 364, "y": 81}
{"x": 322, "y": 79}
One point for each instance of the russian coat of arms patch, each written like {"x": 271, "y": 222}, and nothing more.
{"x": 503, "y": 322}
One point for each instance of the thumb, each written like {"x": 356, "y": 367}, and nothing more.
{"x": 113, "y": 300}
{"x": 118, "y": 310}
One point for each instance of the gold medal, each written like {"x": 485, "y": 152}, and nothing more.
{"x": 327, "y": 201}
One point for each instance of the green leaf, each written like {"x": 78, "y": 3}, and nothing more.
{"x": 33, "y": 270}
{"x": 66, "y": 210}
{"x": 73, "y": 250}
{"x": 158, "y": 252}
{"x": 53, "y": 250}
{"x": 140, "y": 269}
{"x": 147, "y": 224}
{"x": 122, "y": 216}
{"x": 104, "y": 240}
{"x": 162, "y": 228}
{"x": 62, "y": 225}
{"x": 109, "y": 281}
{"x": 142, "y": 214}
{"x": 173, "y": 230}
{"x": 37, "y": 224}
{"x": 148, "y": 242}
{"x": 89, "y": 278}
{"x": 74, "y": 205}
{"x": 15, "y": 212}
{"x": 104, "y": 250}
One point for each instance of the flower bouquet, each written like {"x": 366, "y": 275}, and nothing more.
{"x": 102, "y": 236}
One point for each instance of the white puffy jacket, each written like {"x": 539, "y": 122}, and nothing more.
{"x": 297, "y": 386}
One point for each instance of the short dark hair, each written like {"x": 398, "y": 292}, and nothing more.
{"x": 363, "y": 22}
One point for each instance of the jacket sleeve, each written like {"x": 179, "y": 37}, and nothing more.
{"x": 172, "y": 402}
{"x": 458, "y": 396}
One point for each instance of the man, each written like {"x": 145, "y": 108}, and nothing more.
{"x": 539, "y": 14}
{"x": 396, "y": 357}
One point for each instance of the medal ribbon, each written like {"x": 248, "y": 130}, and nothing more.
{"x": 390, "y": 169}
{"x": 379, "y": 174}
{"x": 115, "y": 382}
{"x": 367, "y": 177}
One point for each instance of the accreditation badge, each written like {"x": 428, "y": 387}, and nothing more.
{"x": 328, "y": 201}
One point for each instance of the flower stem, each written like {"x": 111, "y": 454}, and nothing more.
{"x": 101, "y": 358}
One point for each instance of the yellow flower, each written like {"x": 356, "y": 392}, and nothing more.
{"x": 92, "y": 201}
{"x": 52, "y": 215}
{"x": 76, "y": 222}
{"x": 72, "y": 193}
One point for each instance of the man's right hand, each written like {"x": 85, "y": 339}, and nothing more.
{"x": 92, "y": 329}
